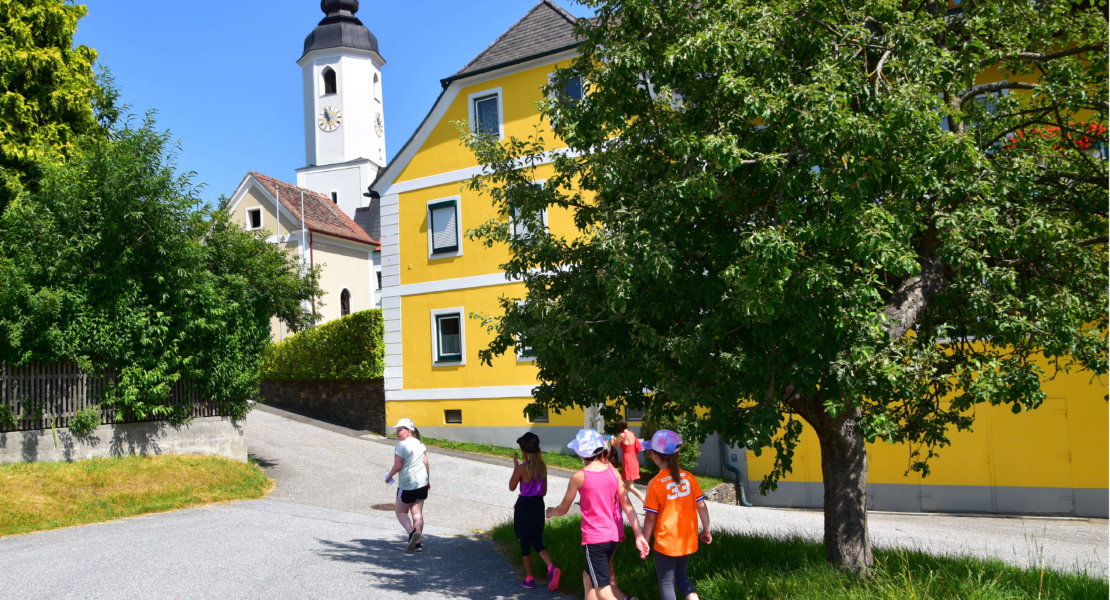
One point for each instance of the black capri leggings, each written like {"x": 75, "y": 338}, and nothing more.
{"x": 528, "y": 521}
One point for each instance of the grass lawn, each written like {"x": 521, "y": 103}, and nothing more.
{"x": 553, "y": 459}
{"x": 741, "y": 567}
{"x": 42, "y": 496}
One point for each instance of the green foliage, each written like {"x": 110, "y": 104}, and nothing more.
{"x": 114, "y": 264}
{"x": 85, "y": 421}
{"x": 349, "y": 348}
{"x": 771, "y": 224}
{"x": 48, "y": 90}
{"x": 738, "y": 566}
{"x": 685, "y": 427}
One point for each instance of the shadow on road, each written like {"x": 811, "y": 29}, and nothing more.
{"x": 462, "y": 567}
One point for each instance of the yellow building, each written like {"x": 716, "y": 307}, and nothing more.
{"x": 434, "y": 277}
{"x": 1052, "y": 460}
{"x": 312, "y": 227}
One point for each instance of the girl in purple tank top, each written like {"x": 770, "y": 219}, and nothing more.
{"x": 528, "y": 520}
{"x": 598, "y": 488}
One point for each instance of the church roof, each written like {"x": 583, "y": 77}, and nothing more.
{"x": 340, "y": 28}
{"x": 321, "y": 215}
{"x": 546, "y": 29}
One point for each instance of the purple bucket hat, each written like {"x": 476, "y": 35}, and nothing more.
{"x": 664, "y": 441}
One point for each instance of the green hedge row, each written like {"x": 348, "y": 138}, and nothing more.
{"x": 347, "y": 348}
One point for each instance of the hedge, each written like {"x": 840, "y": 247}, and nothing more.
{"x": 348, "y": 348}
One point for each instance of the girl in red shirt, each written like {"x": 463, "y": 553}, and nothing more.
{"x": 671, "y": 511}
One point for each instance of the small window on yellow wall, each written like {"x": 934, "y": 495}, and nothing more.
{"x": 452, "y": 416}
{"x": 540, "y": 418}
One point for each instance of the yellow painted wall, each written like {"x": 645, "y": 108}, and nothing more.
{"x": 520, "y": 92}
{"x": 476, "y": 259}
{"x": 1061, "y": 444}
{"x": 492, "y": 412}
{"x": 417, "y": 346}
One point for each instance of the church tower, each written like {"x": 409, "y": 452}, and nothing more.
{"x": 344, "y": 128}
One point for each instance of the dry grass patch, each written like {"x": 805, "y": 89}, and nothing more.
{"x": 41, "y": 496}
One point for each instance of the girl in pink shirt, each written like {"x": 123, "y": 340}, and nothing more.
{"x": 598, "y": 487}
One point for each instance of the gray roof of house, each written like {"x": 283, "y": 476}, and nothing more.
{"x": 369, "y": 218}
{"x": 340, "y": 28}
{"x": 546, "y": 29}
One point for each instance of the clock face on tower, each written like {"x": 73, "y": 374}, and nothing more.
{"x": 329, "y": 118}
{"x": 379, "y": 125}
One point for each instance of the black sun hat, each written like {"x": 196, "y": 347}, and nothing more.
{"x": 529, "y": 442}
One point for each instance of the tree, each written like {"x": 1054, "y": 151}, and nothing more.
{"x": 869, "y": 216}
{"x": 48, "y": 90}
{"x": 113, "y": 264}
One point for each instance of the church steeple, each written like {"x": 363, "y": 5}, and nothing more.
{"x": 340, "y": 28}
{"x": 344, "y": 123}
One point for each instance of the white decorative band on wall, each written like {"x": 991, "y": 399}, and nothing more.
{"x": 467, "y": 393}
{"x": 465, "y": 174}
{"x": 446, "y": 285}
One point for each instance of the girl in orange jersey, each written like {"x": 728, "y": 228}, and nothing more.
{"x": 671, "y": 510}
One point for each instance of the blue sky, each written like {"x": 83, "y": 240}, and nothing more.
{"x": 223, "y": 77}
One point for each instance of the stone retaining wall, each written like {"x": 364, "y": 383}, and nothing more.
{"x": 204, "y": 435}
{"x": 357, "y": 404}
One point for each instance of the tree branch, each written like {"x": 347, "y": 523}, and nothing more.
{"x": 913, "y": 295}
{"x": 987, "y": 88}
{"x": 1047, "y": 56}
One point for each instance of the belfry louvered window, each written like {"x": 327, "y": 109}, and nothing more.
{"x": 443, "y": 226}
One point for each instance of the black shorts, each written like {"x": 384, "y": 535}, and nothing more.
{"x": 597, "y": 562}
{"x": 413, "y": 496}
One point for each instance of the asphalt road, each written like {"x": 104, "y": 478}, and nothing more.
{"x": 319, "y": 535}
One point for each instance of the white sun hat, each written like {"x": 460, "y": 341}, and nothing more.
{"x": 586, "y": 443}
{"x": 406, "y": 423}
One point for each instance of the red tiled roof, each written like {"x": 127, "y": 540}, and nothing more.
{"x": 321, "y": 214}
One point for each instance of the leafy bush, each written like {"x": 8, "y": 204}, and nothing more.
{"x": 85, "y": 421}
{"x": 686, "y": 429}
{"x": 349, "y": 348}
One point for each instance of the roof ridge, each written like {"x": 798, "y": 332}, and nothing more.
{"x": 502, "y": 36}
{"x": 317, "y": 212}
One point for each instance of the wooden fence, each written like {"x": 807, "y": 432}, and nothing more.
{"x": 40, "y": 396}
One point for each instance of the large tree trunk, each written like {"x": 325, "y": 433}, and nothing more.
{"x": 844, "y": 471}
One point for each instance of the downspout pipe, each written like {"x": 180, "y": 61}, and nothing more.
{"x": 740, "y": 495}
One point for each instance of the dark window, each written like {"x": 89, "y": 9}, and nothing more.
{"x": 573, "y": 89}
{"x": 329, "y": 81}
{"x": 541, "y": 418}
{"x": 254, "y": 218}
{"x": 487, "y": 121}
{"x": 379, "y": 274}
{"x": 443, "y": 222}
{"x": 335, "y": 197}
{"x": 345, "y": 303}
{"x": 449, "y": 337}
{"x": 633, "y": 415}
{"x": 452, "y": 416}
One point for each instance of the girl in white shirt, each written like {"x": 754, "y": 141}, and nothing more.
{"x": 410, "y": 463}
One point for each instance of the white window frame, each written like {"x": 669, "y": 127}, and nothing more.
{"x": 247, "y": 214}
{"x": 432, "y": 254}
{"x": 435, "y": 314}
{"x": 500, "y": 110}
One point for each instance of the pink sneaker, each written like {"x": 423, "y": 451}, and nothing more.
{"x": 529, "y": 582}
{"x": 553, "y": 574}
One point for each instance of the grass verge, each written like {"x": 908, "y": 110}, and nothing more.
{"x": 553, "y": 459}
{"x": 742, "y": 567}
{"x": 42, "y": 496}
